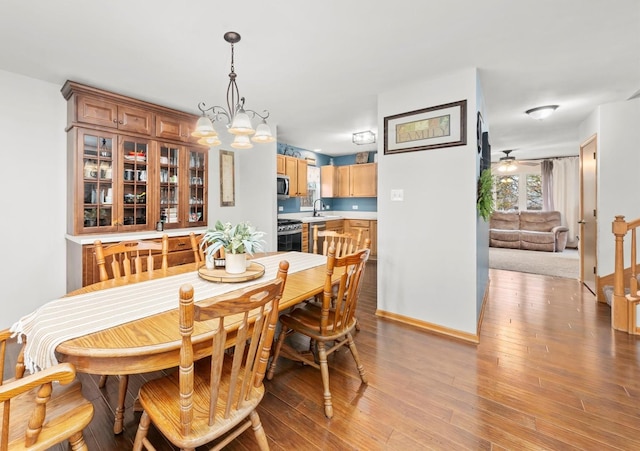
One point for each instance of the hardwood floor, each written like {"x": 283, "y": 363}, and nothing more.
{"x": 549, "y": 373}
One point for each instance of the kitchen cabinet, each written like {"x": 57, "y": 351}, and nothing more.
{"x": 99, "y": 111}
{"x": 281, "y": 167}
{"x": 120, "y": 177}
{"x": 358, "y": 180}
{"x": 296, "y": 169}
{"x": 183, "y": 182}
{"x": 363, "y": 180}
{"x": 328, "y": 181}
{"x": 305, "y": 237}
{"x": 344, "y": 180}
{"x": 335, "y": 225}
{"x": 176, "y": 128}
{"x": 368, "y": 228}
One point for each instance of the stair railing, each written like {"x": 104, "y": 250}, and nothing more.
{"x": 624, "y": 306}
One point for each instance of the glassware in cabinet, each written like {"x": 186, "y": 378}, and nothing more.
{"x": 170, "y": 176}
{"x": 97, "y": 180}
{"x": 134, "y": 170}
{"x": 197, "y": 187}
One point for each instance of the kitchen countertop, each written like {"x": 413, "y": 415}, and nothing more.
{"x": 307, "y": 216}
{"x": 115, "y": 237}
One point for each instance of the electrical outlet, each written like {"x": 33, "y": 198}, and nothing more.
{"x": 328, "y": 207}
{"x": 354, "y": 207}
{"x": 280, "y": 208}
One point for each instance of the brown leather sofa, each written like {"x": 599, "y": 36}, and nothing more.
{"x": 531, "y": 230}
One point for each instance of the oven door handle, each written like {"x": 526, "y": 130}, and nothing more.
{"x": 289, "y": 232}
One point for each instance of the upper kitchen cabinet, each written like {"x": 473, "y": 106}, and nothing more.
{"x": 130, "y": 165}
{"x": 281, "y": 165}
{"x": 363, "y": 181}
{"x": 357, "y": 180}
{"x": 328, "y": 181}
{"x": 296, "y": 169}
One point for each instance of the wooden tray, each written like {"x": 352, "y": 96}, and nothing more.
{"x": 254, "y": 270}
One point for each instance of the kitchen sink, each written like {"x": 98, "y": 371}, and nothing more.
{"x": 320, "y": 218}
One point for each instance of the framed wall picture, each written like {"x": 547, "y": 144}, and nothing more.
{"x": 429, "y": 128}
{"x": 227, "y": 183}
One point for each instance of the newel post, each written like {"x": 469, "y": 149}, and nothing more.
{"x": 619, "y": 312}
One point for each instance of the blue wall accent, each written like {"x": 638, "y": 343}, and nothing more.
{"x": 347, "y": 203}
{"x": 292, "y": 205}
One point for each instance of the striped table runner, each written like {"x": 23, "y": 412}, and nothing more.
{"x": 71, "y": 317}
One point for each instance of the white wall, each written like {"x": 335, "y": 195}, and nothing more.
{"x": 255, "y": 187}
{"x": 33, "y": 191}
{"x": 427, "y": 253}
{"x": 33, "y": 186}
{"x": 618, "y": 169}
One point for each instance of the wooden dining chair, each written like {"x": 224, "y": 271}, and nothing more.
{"x": 124, "y": 259}
{"x": 130, "y": 257}
{"x": 199, "y": 250}
{"x": 216, "y": 396}
{"x": 42, "y": 409}
{"x": 326, "y": 325}
{"x": 343, "y": 243}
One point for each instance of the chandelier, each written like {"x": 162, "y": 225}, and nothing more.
{"x": 235, "y": 115}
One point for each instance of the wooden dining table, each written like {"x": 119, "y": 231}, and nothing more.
{"x": 153, "y": 343}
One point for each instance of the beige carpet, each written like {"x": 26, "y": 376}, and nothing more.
{"x": 559, "y": 264}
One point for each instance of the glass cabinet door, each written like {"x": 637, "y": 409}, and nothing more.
{"x": 169, "y": 185}
{"x": 97, "y": 164}
{"x": 134, "y": 169}
{"x": 197, "y": 187}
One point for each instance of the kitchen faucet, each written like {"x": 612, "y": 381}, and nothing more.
{"x": 316, "y": 212}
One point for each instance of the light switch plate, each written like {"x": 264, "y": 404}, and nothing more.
{"x": 354, "y": 207}
{"x": 280, "y": 208}
{"x": 397, "y": 195}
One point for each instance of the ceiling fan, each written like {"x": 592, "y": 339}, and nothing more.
{"x": 508, "y": 163}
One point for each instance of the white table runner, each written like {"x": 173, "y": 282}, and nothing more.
{"x": 74, "y": 316}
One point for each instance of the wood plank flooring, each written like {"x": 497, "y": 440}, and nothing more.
{"x": 549, "y": 373}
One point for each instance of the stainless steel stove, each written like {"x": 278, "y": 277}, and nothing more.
{"x": 289, "y": 235}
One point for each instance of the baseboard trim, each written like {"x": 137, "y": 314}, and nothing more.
{"x": 430, "y": 327}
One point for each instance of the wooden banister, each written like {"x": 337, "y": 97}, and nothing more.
{"x": 624, "y": 306}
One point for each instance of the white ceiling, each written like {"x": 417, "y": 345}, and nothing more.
{"x": 318, "y": 66}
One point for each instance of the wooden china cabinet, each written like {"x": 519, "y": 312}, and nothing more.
{"x": 132, "y": 164}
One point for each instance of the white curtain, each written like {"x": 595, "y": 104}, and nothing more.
{"x": 566, "y": 194}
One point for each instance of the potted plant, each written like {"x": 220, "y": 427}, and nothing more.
{"x": 236, "y": 240}
{"x": 484, "y": 201}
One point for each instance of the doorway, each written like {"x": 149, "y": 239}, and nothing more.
{"x": 588, "y": 213}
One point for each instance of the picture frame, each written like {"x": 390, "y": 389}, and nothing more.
{"x": 227, "y": 179}
{"x": 425, "y": 129}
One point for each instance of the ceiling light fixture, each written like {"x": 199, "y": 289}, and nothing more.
{"x": 542, "y": 111}
{"x": 507, "y": 163}
{"x": 367, "y": 137}
{"x": 236, "y": 116}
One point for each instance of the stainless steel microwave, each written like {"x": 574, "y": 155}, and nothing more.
{"x": 283, "y": 186}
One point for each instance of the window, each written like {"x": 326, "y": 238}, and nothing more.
{"x": 313, "y": 188}
{"x": 534, "y": 192}
{"x": 520, "y": 191}
{"x": 507, "y": 192}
